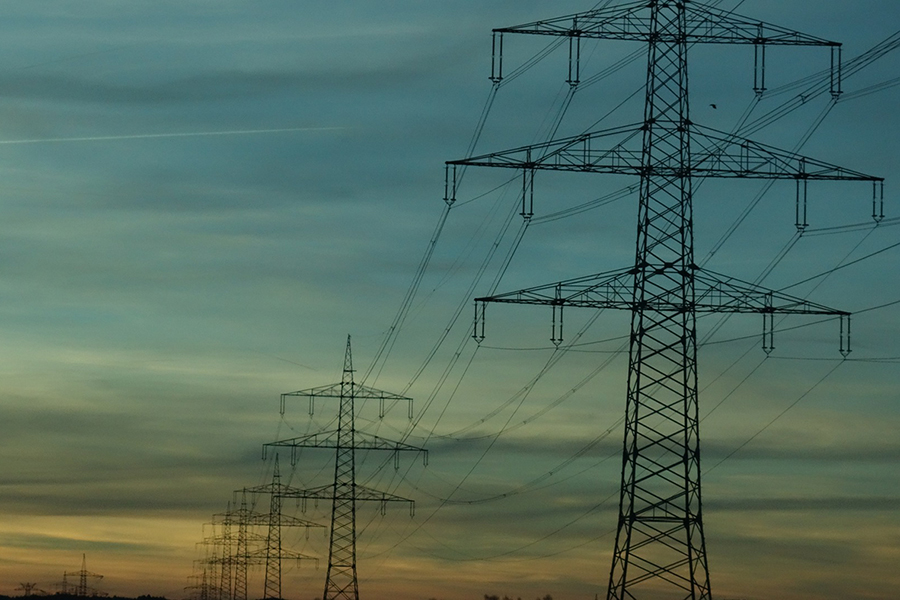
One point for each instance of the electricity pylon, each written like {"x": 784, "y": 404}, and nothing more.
{"x": 29, "y": 589}
{"x": 201, "y": 589}
{"x": 660, "y": 545}
{"x": 82, "y": 589}
{"x": 236, "y": 563}
{"x": 237, "y": 555}
{"x": 341, "y": 580}
{"x": 219, "y": 562}
{"x": 226, "y": 540}
{"x": 274, "y": 553}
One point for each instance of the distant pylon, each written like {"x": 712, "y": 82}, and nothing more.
{"x": 29, "y": 588}
{"x": 660, "y": 546}
{"x": 202, "y": 590}
{"x": 212, "y": 564}
{"x": 238, "y": 560}
{"x": 274, "y": 553}
{"x": 341, "y": 579}
{"x": 226, "y": 573}
{"x": 82, "y": 589}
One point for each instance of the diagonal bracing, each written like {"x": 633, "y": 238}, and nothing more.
{"x": 341, "y": 581}
{"x": 660, "y": 549}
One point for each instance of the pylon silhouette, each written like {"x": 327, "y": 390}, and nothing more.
{"x": 660, "y": 545}
{"x": 341, "y": 582}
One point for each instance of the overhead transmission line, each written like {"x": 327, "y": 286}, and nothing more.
{"x": 755, "y": 123}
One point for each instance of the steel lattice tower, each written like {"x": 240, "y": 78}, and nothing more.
{"x": 82, "y": 590}
{"x": 237, "y": 563}
{"x": 275, "y": 520}
{"x": 341, "y": 579}
{"x": 660, "y": 546}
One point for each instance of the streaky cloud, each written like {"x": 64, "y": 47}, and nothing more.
{"x": 146, "y": 136}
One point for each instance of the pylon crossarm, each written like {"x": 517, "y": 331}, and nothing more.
{"x": 251, "y": 537}
{"x": 576, "y": 153}
{"x": 245, "y": 517}
{"x": 322, "y": 439}
{"x": 617, "y": 22}
{"x": 719, "y": 154}
{"x": 714, "y": 154}
{"x": 610, "y": 289}
{"x": 632, "y": 21}
{"x": 288, "y": 521}
{"x": 720, "y": 293}
{"x": 712, "y": 293}
{"x": 348, "y": 389}
{"x": 362, "y": 494}
{"x": 329, "y": 439}
{"x": 279, "y": 489}
{"x": 289, "y": 554}
{"x": 325, "y": 492}
{"x": 369, "y": 495}
{"x": 358, "y": 391}
{"x": 707, "y": 25}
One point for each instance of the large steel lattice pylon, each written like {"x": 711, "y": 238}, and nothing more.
{"x": 660, "y": 547}
{"x": 341, "y": 581}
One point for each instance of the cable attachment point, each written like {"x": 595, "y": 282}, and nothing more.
{"x": 878, "y": 201}
{"x": 802, "y": 186}
{"x": 497, "y": 57}
{"x": 759, "y": 64}
{"x": 845, "y": 336}
{"x": 527, "y": 194}
{"x": 478, "y": 330}
{"x": 768, "y": 336}
{"x": 449, "y": 184}
{"x": 836, "y": 72}
{"x": 556, "y": 335}
{"x": 574, "y": 77}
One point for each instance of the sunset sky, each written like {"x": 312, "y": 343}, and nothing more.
{"x": 201, "y": 200}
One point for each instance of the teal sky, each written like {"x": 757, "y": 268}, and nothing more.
{"x": 201, "y": 200}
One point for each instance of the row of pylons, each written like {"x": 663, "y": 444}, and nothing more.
{"x": 66, "y": 586}
{"x": 243, "y": 536}
{"x": 660, "y": 545}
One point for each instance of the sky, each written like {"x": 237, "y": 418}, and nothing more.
{"x": 201, "y": 200}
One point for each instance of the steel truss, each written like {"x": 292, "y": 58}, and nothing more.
{"x": 660, "y": 546}
{"x": 341, "y": 580}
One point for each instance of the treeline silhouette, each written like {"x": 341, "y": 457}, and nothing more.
{"x": 496, "y": 597}
{"x": 61, "y": 596}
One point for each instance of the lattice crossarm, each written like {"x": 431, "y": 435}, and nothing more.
{"x": 298, "y": 557}
{"x": 289, "y": 521}
{"x": 366, "y": 441}
{"x": 325, "y": 492}
{"x": 713, "y": 26}
{"x": 703, "y": 24}
{"x": 719, "y": 154}
{"x": 610, "y": 285}
{"x": 611, "y": 289}
{"x": 324, "y": 439}
{"x": 581, "y": 153}
{"x": 619, "y": 22}
{"x": 719, "y": 293}
{"x": 366, "y": 494}
{"x": 337, "y": 390}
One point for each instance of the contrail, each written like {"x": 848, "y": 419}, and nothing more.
{"x": 145, "y": 136}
